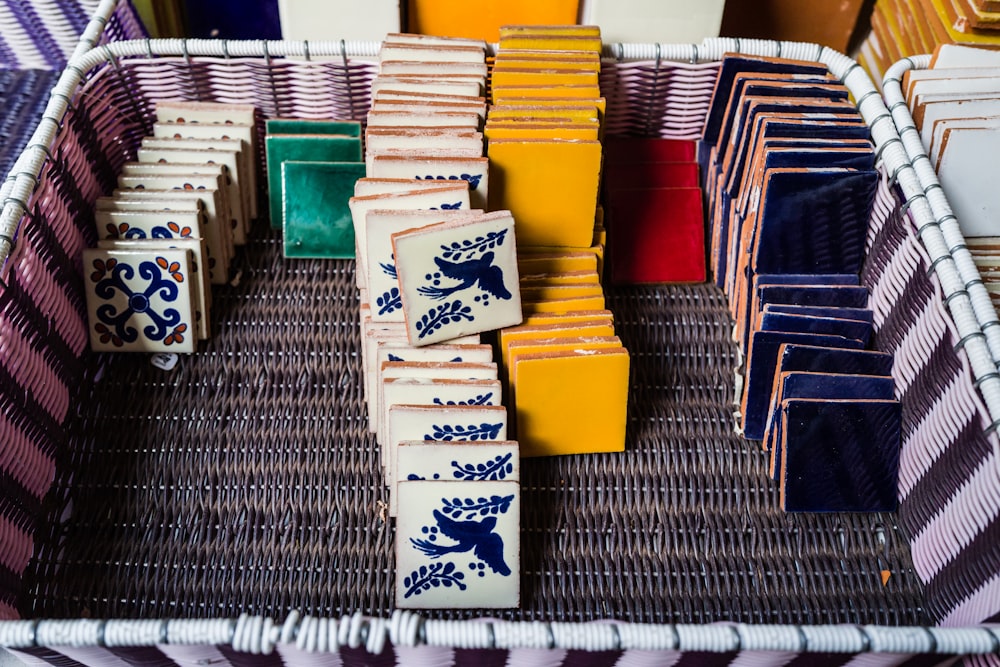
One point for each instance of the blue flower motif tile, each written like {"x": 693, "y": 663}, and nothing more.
{"x": 458, "y": 278}
{"x": 458, "y": 461}
{"x": 458, "y": 545}
{"x": 140, "y": 301}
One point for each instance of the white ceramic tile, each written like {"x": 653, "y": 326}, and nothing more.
{"x": 473, "y": 170}
{"x": 442, "y": 424}
{"x": 230, "y": 160}
{"x": 461, "y": 460}
{"x": 365, "y": 187}
{"x": 431, "y": 392}
{"x": 245, "y": 133}
{"x": 200, "y": 287}
{"x": 219, "y": 254}
{"x": 458, "y": 545}
{"x": 450, "y": 196}
{"x": 311, "y": 19}
{"x": 138, "y": 225}
{"x": 458, "y": 278}
{"x": 380, "y": 225}
{"x": 429, "y": 370}
{"x": 139, "y": 301}
{"x": 182, "y": 176}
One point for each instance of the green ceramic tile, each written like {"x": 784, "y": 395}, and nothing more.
{"x": 303, "y": 148}
{"x": 316, "y": 212}
{"x": 349, "y": 128}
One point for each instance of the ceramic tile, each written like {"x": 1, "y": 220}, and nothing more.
{"x": 246, "y": 134}
{"x": 761, "y": 361}
{"x": 840, "y": 456}
{"x": 448, "y": 196}
{"x": 218, "y": 234}
{"x": 458, "y": 545}
{"x": 303, "y": 148}
{"x": 861, "y": 314}
{"x": 201, "y": 285}
{"x": 474, "y": 171}
{"x": 441, "y": 424}
{"x": 139, "y": 301}
{"x": 857, "y": 329}
{"x": 229, "y": 161}
{"x": 317, "y": 218}
{"x": 347, "y": 128}
{"x": 458, "y": 278}
{"x": 193, "y": 177}
{"x": 549, "y": 186}
{"x": 136, "y": 225}
{"x": 421, "y": 460}
{"x": 465, "y": 461}
{"x": 231, "y": 152}
{"x": 380, "y": 262}
{"x": 384, "y": 186}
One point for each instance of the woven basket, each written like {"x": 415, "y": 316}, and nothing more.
{"x": 194, "y": 507}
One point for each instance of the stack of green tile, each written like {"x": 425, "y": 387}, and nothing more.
{"x": 312, "y": 166}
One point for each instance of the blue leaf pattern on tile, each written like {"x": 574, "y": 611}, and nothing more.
{"x": 481, "y": 399}
{"x": 470, "y": 247}
{"x": 438, "y": 316}
{"x": 431, "y": 576}
{"x": 496, "y": 469}
{"x": 448, "y": 432}
{"x": 389, "y": 268}
{"x": 389, "y": 301}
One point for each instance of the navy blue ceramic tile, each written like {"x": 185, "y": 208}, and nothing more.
{"x": 769, "y": 127}
{"x": 808, "y": 324}
{"x": 733, "y": 65}
{"x": 840, "y": 456}
{"x": 755, "y": 302}
{"x": 778, "y": 158}
{"x": 833, "y": 386}
{"x": 863, "y": 314}
{"x": 815, "y": 295}
{"x": 761, "y": 362}
{"x": 797, "y": 357}
{"x": 836, "y": 204}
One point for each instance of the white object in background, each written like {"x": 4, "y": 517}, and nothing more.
{"x": 654, "y": 21}
{"x": 338, "y": 19}
{"x": 953, "y": 55}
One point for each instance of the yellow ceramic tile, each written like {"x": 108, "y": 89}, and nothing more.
{"x": 563, "y": 131}
{"x": 505, "y": 62}
{"x": 572, "y": 403}
{"x": 568, "y": 278}
{"x": 548, "y": 261}
{"x": 518, "y": 349}
{"x": 542, "y": 41}
{"x": 504, "y": 77}
{"x": 523, "y": 93}
{"x": 563, "y": 305}
{"x": 579, "y": 112}
{"x": 550, "y": 187}
{"x": 598, "y": 327}
{"x": 574, "y": 317}
{"x": 557, "y": 30}
{"x": 536, "y": 293}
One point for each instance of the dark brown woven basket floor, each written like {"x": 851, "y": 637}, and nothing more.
{"x": 245, "y": 481}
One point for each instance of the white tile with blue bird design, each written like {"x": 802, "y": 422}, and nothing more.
{"x": 458, "y": 278}
{"x": 380, "y": 262}
{"x": 140, "y": 301}
{"x": 458, "y": 545}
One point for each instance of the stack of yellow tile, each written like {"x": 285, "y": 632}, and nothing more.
{"x": 566, "y": 371}
{"x": 903, "y": 28}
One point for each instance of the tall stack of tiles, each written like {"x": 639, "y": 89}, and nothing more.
{"x": 566, "y": 371}
{"x": 789, "y": 179}
{"x": 167, "y": 233}
{"x": 434, "y": 271}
